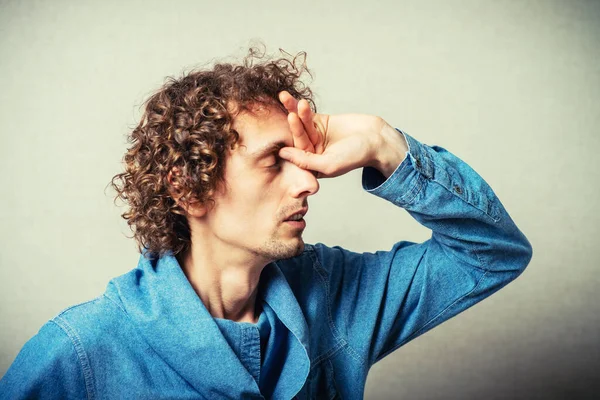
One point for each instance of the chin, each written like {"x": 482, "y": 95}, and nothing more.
{"x": 281, "y": 250}
{"x": 295, "y": 249}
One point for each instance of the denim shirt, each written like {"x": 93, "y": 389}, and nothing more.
{"x": 332, "y": 313}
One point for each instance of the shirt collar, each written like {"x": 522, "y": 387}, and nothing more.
{"x": 176, "y": 324}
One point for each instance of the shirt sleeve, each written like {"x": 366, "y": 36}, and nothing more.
{"x": 47, "y": 367}
{"x": 382, "y": 300}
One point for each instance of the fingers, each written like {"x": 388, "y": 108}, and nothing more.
{"x": 288, "y": 101}
{"x": 301, "y": 139}
{"x": 307, "y": 117}
{"x": 318, "y": 163}
{"x": 302, "y": 120}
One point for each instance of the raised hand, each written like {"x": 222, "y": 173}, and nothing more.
{"x": 332, "y": 145}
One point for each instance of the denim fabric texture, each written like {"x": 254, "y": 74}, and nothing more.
{"x": 328, "y": 314}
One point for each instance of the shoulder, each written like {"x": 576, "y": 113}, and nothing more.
{"x": 49, "y": 365}
{"x": 50, "y": 345}
{"x": 89, "y": 323}
{"x": 57, "y": 361}
{"x": 101, "y": 312}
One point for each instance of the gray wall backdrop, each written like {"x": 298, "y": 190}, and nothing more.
{"x": 511, "y": 87}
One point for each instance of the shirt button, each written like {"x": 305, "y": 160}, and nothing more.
{"x": 457, "y": 189}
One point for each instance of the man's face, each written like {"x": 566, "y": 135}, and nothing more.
{"x": 262, "y": 190}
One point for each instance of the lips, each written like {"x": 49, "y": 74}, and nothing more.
{"x": 302, "y": 212}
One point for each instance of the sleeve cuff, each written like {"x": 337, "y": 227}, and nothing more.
{"x": 402, "y": 186}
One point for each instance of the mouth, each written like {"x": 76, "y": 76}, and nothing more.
{"x": 299, "y": 224}
{"x": 297, "y": 215}
{"x": 296, "y": 219}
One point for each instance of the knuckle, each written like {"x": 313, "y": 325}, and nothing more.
{"x": 304, "y": 162}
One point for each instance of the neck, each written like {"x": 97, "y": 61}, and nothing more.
{"x": 225, "y": 279}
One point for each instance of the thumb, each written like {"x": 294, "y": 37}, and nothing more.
{"x": 305, "y": 159}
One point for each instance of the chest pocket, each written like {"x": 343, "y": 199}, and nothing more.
{"x": 322, "y": 382}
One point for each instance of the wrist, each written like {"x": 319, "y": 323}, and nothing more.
{"x": 390, "y": 150}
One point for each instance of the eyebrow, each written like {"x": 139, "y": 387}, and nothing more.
{"x": 268, "y": 149}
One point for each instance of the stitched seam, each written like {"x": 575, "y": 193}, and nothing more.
{"x": 441, "y": 170}
{"x": 483, "y": 265}
{"x": 303, "y": 348}
{"x": 77, "y": 305}
{"x": 333, "y": 381}
{"x": 354, "y": 354}
{"x": 471, "y": 251}
{"x": 327, "y": 355}
{"x": 405, "y": 200}
{"x": 418, "y": 331}
{"x": 466, "y": 200}
{"x": 81, "y": 354}
{"x": 454, "y": 302}
{"x": 322, "y": 274}
{"x": 116, "y": 304}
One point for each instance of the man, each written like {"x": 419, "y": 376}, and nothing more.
{"x": 227, "y": 300}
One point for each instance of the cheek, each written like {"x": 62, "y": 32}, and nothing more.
{"x": 252, "y": 201}
{"x": 248, "y": 209}
{"x": 262, "y": 211}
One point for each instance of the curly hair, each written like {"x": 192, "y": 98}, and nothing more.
{"x": 186, "y": 129}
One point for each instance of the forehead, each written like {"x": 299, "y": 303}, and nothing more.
{"x": 261, "y": 129}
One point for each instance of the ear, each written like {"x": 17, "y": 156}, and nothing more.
{"x": 192, "y": 208}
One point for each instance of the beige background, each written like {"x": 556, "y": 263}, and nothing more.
{"x": 511, "y": 87}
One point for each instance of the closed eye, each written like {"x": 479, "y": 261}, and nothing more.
{"x": 277, "y": 164}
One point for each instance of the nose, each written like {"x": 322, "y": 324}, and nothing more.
{"x": 302, "y": 181}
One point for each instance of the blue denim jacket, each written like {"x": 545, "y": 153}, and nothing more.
{"x": 338, "y": 311}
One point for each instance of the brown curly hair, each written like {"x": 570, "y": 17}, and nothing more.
{"x": 185, "y": 129}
